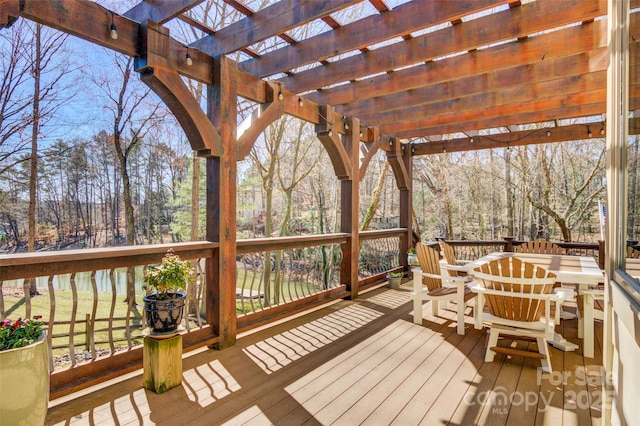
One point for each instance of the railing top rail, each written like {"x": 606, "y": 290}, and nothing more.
{"x": 31, "y": 265}
{"x": 279, "y": 243}
{"x": 382, "y": 233}
{"x": 518, "y": 242}
{"x": 474, "y": 242}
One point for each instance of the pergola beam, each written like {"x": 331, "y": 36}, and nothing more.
{"x": 520, "y": 95}
{"x": 159, "y": 11}
{"x": 531, "y": 117}
{"x": 570, "y": 41}
{"x": 267, "y": 22}
{"x": 572, "y": 132}
{"x": 540, "y": 73}
{"x": 402, "y": 20}
{"x": 494, "y": 28}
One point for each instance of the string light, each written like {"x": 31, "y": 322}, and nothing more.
{"x": 300, "y": 102}
{"x": 589, "y": 132}
{"x": 602, "y": 130}
{"x": 470, "y": 140}
{"x": 280, "y": 94}
{"x": 188, "y": 59}
{"x": 114, "y": 30}
{"x": 548, "y": 132}
{"x": 346, "y": 125}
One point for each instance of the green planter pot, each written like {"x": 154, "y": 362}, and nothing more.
{"x": 24, "y": 384}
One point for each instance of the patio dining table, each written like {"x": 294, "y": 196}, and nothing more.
{"x": 579, "y": 270}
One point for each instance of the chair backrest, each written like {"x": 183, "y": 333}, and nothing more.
{"x": 449, "y": 254}
{"x": 429, "y": 260}
{"x": 540, "y": 247}
{"x": 518, "y": 278}
{"x": 633, "y": 253}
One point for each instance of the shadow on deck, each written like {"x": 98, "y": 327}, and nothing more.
{"x": 356, "y": 362}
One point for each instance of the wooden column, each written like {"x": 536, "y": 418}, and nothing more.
{"x": 162, "y": 361}
{"x": 349, "y": 210}
{"x": 406, "y": 205}
{"x": 221, "y": 272}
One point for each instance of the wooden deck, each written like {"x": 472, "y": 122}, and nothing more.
{"x": 356, "y": 362}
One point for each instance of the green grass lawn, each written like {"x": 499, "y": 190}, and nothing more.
{"x": 65, "y": 311}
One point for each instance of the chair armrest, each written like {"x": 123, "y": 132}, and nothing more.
{"x": 457, "y": 268}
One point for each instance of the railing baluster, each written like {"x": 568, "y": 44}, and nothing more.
{"x": 52, "y": 317}
{"x": 26, "y": 288}
{"x": 200, "y": 287}
{"x": 94, "y": 310}
{"x": 72, "y": 324}
{"x": 2, "y": 314}
{"x": 112, "y": 309}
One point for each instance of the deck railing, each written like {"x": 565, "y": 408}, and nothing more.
{"x": 91, "y": 328}
{"x": 273, "y": 272}
{"x": 379, "y": 252}
{"x": 89, "y": 322}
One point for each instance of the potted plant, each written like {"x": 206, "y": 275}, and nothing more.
{"x": 412, "y": 257}
{"x": 394, "y": 279}
{"x": 24, "y": 372}
{"x": 165, "y": 302}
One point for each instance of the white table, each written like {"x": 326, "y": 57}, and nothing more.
{"x": 581, "y": 270}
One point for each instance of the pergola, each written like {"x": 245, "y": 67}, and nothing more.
{"x": 424, "y": 77}
{"x": 401, "y": 80}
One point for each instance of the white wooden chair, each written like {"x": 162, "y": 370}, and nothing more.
{"x": 518, "y": 295}
{"x": 430, "y": 283}
{"x": 455, "y": 267}
{"x": 540, "y": 246}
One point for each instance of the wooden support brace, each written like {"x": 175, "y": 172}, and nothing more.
{"x": 395, "y": 157}
{"x": 156, "y": 73}
{"x": 368, "y": 150}
{"x": 258, "y": 121}
{"x": 331, "y": 141}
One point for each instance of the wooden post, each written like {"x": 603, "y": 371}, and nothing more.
{"x": 406, "y": 207}
{"x": 508, "y": 243}
{"x": 162, "y": 361}
{"x": 349, "y": 211}
{"x": 221, "y": 271}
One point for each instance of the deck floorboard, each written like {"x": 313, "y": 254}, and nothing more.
{"x": 361, "y": 362}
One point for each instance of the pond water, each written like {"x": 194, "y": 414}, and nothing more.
{"x": 83, "y": 281}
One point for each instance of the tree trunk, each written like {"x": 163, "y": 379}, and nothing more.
{"x": 509, "y": 193}
{"x": 375, "y": 199}
{"x": 33, "y": 163}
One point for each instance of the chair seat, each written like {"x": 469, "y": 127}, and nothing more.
{"x": 534, "y": 325}
{"x": 444, "y": 292}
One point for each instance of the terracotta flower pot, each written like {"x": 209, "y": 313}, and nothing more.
{"x": 164, "y": 315}
{"x": 24, "y": 384}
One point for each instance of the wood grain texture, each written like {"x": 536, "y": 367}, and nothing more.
{"x": 162, "y": 363}
{"x": 355, "y": 362}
